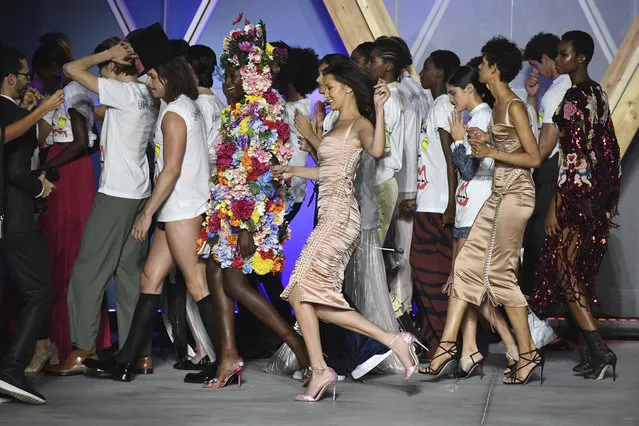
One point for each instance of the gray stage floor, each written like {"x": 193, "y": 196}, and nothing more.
{"x": 163, "y": 399}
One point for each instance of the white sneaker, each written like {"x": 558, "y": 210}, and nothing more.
{"x": 366, "y": 366}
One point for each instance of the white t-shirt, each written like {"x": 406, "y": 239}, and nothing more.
{"x": 550, "y": 102}
{"x": 329, "y": 121}
{"x": 211, "y": 107}
{"x": 300, "y": 158}
{"x": 432, "y": 172}
{"x": 471, "y": 195}
{"x": 191, "y": 192}
{"x": 391, "y": 162}
{"x": 129, "y": 121}
{"x": 415, "y": 103}
{"x": 76, "y": 97}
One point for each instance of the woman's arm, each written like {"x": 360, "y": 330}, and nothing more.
{"x": 287, "y": 172}
{"x": 374, "y": 139}
{"x": 174, "y": 133}
{"x": 530, "y": 158}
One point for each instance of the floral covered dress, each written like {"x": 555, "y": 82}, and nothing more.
{"x": 244, "y": 193}
{"x": 589, "y": 182}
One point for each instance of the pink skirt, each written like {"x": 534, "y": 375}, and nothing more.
{"x": 62, "y": 226}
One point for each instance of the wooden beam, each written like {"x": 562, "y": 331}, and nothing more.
{"x": 621, "y": 83}
{"x": 358, "y": 21}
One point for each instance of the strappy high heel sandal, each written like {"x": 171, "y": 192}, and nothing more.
{"x": 537, "y": 358}
{"x": 477, "y": 365}
{"x": 511, "y": 365}
{"x": 446, "y": 367}
{"x": 411, "y": 341}
{"x": 332, "y": 381}
{"x": 236, "y": 374}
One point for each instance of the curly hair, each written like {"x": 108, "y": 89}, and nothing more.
{"x": 349, "y": 74}
{"x": 119, "y": 68}
{"x": 302, "y": 69}
{"x": 177, "y": 78}
{"x": 582, "y": 43}
{"x": 505, "y": 55}
{"x": 540, "y": 44}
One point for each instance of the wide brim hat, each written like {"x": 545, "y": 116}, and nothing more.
{"x": 153, "y": 46}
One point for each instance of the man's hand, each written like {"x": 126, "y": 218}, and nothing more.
{"x": 245, "y": 243}
{"x": 532, "y": 84}
{"x": 47, "y": 186}
{"x": 30, "y": 99}
{"x": 449, "y": 214}
{"x": 53, "y": 102}
{"x": 141, "y": 227}
{"x": 551, "y": 223}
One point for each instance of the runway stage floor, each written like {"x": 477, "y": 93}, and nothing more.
{"x": 265, "y": 399}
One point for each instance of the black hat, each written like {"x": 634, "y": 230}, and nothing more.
{"x": 152, "y": 46}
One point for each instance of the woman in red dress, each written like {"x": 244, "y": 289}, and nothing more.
{"x": 579, "y": 218}
{"x": 68, "y": 209}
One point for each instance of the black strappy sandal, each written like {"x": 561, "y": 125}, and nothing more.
{"x": 537, "y": 359}
{"x": 446, "y": 367}
{"x": 479, "y": 365}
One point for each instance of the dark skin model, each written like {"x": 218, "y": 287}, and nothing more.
{"x": 576, "y": 66}
{"x": 432, "y": 78}
{"x": 231, "y": 284}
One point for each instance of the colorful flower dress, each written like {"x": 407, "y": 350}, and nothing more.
{"x": 589, "y": 183}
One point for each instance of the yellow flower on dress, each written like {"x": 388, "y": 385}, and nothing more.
{"x": 262, "y": 266}
{"x": 269, "y": 49}
{"x": 244, "y": 126}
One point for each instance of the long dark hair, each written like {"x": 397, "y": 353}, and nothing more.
{"x": 349, "y": 74}
{"x": 177, "y": 78}
{"x": 203, "y": 61}
{"x": 465, "y": 75}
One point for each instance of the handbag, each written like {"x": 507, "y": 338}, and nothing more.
{"x": 541, "y": 332}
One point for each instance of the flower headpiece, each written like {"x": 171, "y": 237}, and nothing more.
{"x": 248, "y": 50}
{"x": 253, "y": 137}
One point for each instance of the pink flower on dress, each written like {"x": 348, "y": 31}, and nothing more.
{"x": 569, "y": 110}
{"x": 245, "y": 46}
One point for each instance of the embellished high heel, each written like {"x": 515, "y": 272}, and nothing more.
{"x": 236, "y": 374}
{"x": 511, "y": 365}
{"x": 445, "y": 367}
{"x": 332, "y": 381}
{"x": 462, "y": 374}
{"x": 603, "y": 357}
{"x": 411, "y": 341}
{"x": 42, "y": 358}
{"x": 537, "y": 359}
{"x": 585, "y": 354}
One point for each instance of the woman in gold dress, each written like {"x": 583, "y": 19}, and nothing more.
{"x": 486, "y": 268}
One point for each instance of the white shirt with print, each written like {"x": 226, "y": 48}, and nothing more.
{"x": 129, "y": 121}
{"x": 432, "y": 172}
{"x": 391, "y": 162}
{"x": 300, "y": 158}
{"x": 550, "y": 102}
{"x": 211, "y": 108}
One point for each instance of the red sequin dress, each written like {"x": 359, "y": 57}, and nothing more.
{"x": 589, "y": 182}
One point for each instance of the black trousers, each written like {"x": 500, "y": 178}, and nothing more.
{"x": 26, "y": 255}
{"x": 545, "y": 187}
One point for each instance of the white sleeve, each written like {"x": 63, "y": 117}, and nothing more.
{"x": 78, "y": 98}
{"x": 483, "y": 121}
{"x": 549, "y": 104}
{"x": 113, "y": 93}
{"x": 394, "y": 120}
{"x": 442, "y": 114}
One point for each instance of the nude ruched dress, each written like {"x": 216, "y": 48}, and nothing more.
{"x": 487, "y": 265}
{"x": 319, "y": 272}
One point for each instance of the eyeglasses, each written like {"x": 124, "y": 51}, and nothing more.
{"x": 28, "y": 75}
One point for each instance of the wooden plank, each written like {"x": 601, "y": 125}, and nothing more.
{"x": 625, "y": 116}
{"x": 377, "y": 17}
{"x": 623, "y": 66}
{"x": 350, "y": 22}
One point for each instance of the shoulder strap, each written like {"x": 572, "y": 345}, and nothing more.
{"x": 350, "y": 127}
{"x": 516, "y": 98}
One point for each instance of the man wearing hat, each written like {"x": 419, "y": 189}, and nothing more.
{"x": 179, "y": 197}
{"x": 108, "y": 248}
